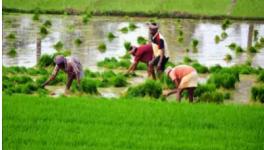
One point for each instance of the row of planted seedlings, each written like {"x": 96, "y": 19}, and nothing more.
{"x": 29, "y": 80}
{"x": 219, "y": 86}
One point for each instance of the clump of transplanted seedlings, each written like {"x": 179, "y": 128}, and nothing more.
{"x": 47, "y": 23}
{"x": 124, "y": 30}
{"x": 194, "y": 44}
{"x": 228, "y": 57}
{"x": 12, "y": 52}
{"x": 58, "y": 46}
{"x": 127, "y": 45}
{"x": 110, "y": 36}
{"x": 11, "y": 36}
{"x": 102, "y": 47}
{"x": 141, "y": 40}
{"x": 132, "y": 26}
{"x": 78, "y": 41}
{"x": 226, "y": 23}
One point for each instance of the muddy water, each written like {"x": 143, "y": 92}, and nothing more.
{"x": 68, "y": 28}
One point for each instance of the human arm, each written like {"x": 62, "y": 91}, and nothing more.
{"x": 52, "y": 77}
{"x": 170, "y": 92}
{"x": 132, "y": 67}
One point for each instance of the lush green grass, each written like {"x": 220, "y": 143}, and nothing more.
{"x": 249, "y": 8}
{"x": 93, "y": 123}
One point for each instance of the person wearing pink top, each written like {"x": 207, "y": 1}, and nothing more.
{"x": 185, "y": 78}
{"x": 71, "y": 66}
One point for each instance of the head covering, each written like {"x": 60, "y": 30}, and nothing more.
{"x": 60, "y": 60}
{"x": 153, "y": 26}
{"x": 167, "y": 70}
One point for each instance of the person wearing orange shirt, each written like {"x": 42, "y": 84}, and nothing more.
{"x": 185, "y": 78}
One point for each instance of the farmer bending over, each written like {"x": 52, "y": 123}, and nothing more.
{"x": 185, "y": 78}
{"x": 143, "y": 53}
{"x": 158, "y": 45}
{"x": 69, "y": 65}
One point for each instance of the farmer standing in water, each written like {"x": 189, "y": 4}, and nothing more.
{"x": 143, "y": 53}
{"x": 159, "y": 59}
{"x": 185, "y": 78}
{"x": 69, "y": 65}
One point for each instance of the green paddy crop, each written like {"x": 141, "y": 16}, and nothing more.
{"x": 31, "y": 122}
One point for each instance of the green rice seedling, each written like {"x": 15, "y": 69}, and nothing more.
{"x": 126, "y": 56}
{"x": 102, "y": 47}
{"x": 12, "y": 52}
{"x": 42, "y": 92}
{"x": 227, "y": 95}
{"x": 166, "y": 82}
{"x": 217, "y": 39}
{"x": 187, "y": 60}
{"x": 119, "y": 81}
{"x": 90, "y": 74}
{"x": 141, "y": 40}
{"x": 224, "y": 35}
{"x": 234, "y": 71}
{"x": 257, "y": 93}
{"x": 225, "y": 80}
{"x": 258, "y": 45}
{"x": 180, "y": 32}
{"x": 28, "y": 88}
{"x": 78, "y": 41}
{"x": 47, "y": 23}
{"x": 58, "y": 46}
{"x": 252, "y": 49}
{"x": 89, "y": 86}
{"x": 203, "y": 88}
{"x": 46, "y": 60}
{"x": 239, "y": 49}
{"x": 228, "y": 57}
{"x": 261, "y": 40}
{"x": 62, "y": 52}
{"x": 11, "y": 36}
{"x": 23, "y": 79}
{"x": 132, "y": 26}
{"x": 124, "y": 63}
{"x": 195, "y": 43}
{"x": 108, "y": 63}
{"x": 43, "y": 31}
{"x": 226, "y": 23}
{"x": 127, "y": 45}
{"x": 169, "y": 63}
{"x": 142, "y": 66}
{"x": 86, "y": 18}
{"x": 180, "y": 39}
{"x": 261, "y": 76}
{"x": 110, "y": 36}
{"x": 232, "y": 46}
{"x": 200, "y": 68}
{"x": 149, "y": 88}
{"x": 14, "y": 70}
{"x": 124, "y": 30}
{"x": 255, "y": 35}
{"x": 35, "y": 17}
{"x": 214, "y": 97}
{"x": 187, "y": 50}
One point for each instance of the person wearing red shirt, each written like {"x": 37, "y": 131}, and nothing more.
{"x": 143, "y": 53}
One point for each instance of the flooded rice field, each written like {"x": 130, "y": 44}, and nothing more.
{"x": 68, "y": 28}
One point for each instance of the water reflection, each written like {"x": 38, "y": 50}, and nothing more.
{"x": 68, "y": 28}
